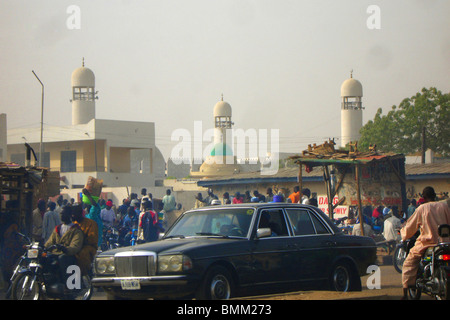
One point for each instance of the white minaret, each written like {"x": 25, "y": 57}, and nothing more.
{"x": 351, "y": 110}
{"x": 83, "y": 95}
{"x": 222, "y": 121}
{"x": 222, "y": 153}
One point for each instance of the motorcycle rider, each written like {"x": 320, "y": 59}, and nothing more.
{"x": 427, "y": 218}
{"x": 69, "y": 240}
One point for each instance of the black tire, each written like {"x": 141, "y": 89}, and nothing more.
{"x": 399, "y": 258}
{"x": 344, "y": 278}
{"x": 414, "y": 293}
{"x": 19, "y": 289}
{"x": 86, "y": 289}
{"x": 445, "y": 284}
{"x": 218, "y": 284}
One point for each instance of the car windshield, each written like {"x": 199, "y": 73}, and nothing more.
{"x": 233, "y": 222}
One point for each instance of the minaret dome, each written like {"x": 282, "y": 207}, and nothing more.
{"x": 83, "y": 95}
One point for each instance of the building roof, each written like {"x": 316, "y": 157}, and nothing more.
{"x": 428, "y": 170}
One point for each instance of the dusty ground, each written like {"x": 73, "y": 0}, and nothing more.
{"x": 391, "y": 288}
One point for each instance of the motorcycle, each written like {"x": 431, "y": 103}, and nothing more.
{"x": 401, "y": 251}
{"x": 434, "y": 270}
{"x": 23, "y": 260}
{"x": 110, "y": 239}
{"x": 38, "y": 277}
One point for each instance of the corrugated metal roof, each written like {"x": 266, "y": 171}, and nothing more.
{"x": 428, "y": 168}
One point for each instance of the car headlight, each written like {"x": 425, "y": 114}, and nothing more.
{"x": 105, "y": 265}
{"x": 174, "y": 263}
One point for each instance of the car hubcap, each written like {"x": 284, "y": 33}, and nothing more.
{"x": 220, "y": 287}
{"x": 341, "y": 279}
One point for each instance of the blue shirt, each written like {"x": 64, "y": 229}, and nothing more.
{"x": 94, "y": 214}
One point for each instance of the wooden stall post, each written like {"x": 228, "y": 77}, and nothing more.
{"x": 358, "y": 193}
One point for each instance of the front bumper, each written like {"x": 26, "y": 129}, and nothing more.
{"x": 166, "y": 287}
{"x": 144, "y": 281}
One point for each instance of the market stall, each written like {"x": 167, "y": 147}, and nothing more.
{"x": 356, "y": 178}
{"x": 21, "y": 188}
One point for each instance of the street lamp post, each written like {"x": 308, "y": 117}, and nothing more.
{"x": 41, "y": 147}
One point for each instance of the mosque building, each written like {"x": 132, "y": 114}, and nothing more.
{"x": 351, "y": 110}
{"x": 221, "y": 161}
{"x": 121, "y": 153}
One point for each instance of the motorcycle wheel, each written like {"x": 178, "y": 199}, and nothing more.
{"x": 86, "y": 289}
{"x": 414, "y": 293}
{"x": 398, "y": 258}
{"x": 21, "y": 289}
{"x": 445, "y": 285}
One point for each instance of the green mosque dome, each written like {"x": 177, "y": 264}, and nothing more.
{"x": 221, "y": 149}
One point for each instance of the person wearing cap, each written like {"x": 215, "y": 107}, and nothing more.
{"x": 107, "y": 215}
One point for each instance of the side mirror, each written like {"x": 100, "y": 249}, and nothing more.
{"x": 263, "y": 233}
{"x": 444, "y": 231}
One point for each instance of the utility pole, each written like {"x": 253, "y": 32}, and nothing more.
{"x": 423, "y": 145}
{"x": 41, "y": 147}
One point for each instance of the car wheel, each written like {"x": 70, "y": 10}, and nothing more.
{"x": 217, "y": 285}
{"x": 343, "y": 278}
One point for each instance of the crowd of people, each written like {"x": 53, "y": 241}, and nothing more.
{"x": 304, "y": 196}
{"x": 143, "y": 217}
{"x": 77, "y": 228}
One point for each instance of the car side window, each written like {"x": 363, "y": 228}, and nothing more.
{"x": 274, "y": 219}
{"x": 301, "y": 221}
{"x": 320, "y": 228}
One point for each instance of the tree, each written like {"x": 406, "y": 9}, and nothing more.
{"x": 400, "y": 131}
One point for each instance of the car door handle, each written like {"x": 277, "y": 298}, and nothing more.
{"x": 330, "y": 243}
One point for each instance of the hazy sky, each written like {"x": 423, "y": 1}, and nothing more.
{"x": 279, "y": 63}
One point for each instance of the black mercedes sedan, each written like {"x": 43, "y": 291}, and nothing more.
{"x": 218, "y": 252}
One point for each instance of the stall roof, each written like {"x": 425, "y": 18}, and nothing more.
{"x": 326, "y": 154}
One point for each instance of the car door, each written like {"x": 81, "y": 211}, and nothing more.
{"x": 272, "y": 256}
{"x": 314, "y": 244}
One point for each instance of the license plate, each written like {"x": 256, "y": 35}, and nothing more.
{"x": 33, "y": 253}
{"x": 130, "y": 284}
